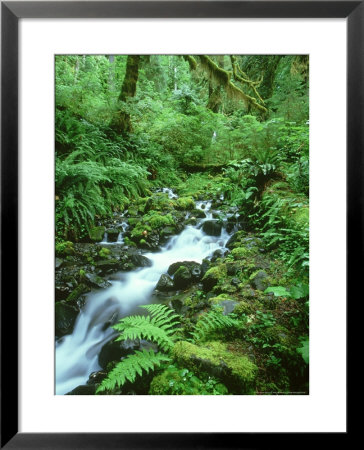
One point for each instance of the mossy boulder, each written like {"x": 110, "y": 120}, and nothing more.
{"x": 65, "y": 248}
{"x": 281, "y": 335}
{"x": 226, "y": 303}
{"x": 157, "y": 220}
{"x": 80, "y": 290}
{"x": 244, "y": 308}
{"x": 140, "y": 260}
{"x": 194, "y": 268}
{"x": 104, "y": 253}
{"x": 239, "y": 253}
{"x": 198, "y": 213}
{"x": 133, "y": 211}
{"x": 259, "y": 280}
{"x": 235, "y": 240}
{"x": 185, "y": 203}
{"x": 165, "y": 283}
{"x": 212, "y": 276}
{"x": 97, "y": 233}
{"x": 96, "y": 281}
{"x": 235, "y": 370}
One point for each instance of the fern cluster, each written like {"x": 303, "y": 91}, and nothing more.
{"x": 130, "y": 367}
{"x": 86, "y": 189}
{"x": 158, "y": 327}
{"x": 212, "y": 322}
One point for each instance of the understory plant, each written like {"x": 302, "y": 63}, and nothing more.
{"x": 161, "y": 326}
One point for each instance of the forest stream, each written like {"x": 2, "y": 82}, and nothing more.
{"x": 182, "y": 224}
{"x": 77, "y": 353}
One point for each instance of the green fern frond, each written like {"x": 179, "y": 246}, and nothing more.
{"x": 130, "y": 367}
{"x": 162, "y": 317}
{"x": 212, "y": 322}
{"x": 159, "y": 327}
{"x": 140, "y": 327}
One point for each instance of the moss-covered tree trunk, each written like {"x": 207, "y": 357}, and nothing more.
{"x": 121, "y": 121}
{"x": 215, "y": 100}
{"x": 269, "y": 76}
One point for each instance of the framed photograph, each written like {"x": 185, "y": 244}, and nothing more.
{"x": 166, "y": 156}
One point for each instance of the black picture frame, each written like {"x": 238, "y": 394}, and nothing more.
{"x": 11, "y": 12}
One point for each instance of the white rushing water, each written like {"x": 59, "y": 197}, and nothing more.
{"x": 77, "y": 353}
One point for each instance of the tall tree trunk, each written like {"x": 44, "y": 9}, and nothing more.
{"x": 270, "y": 75}
{"x": 121, "y": 121}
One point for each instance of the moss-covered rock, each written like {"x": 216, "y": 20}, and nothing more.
{"x": 185, "y": 203}
{"x": 198, "y": 213}
{"x": 235, "y": 370}
{"x": 104, "y": 253}
{"x": 165, "y": 283}
{"x": 212, "y": 276}
{"x": 244, "y": 308}
{"x": 156, "y": 220}
{"x": 79, "y": 290}
{"x": 65, "y": 248}
{"x": 239, "y": 253}
{"x": 281, "y": 335}
{"x": 259, "y": 280}
{"x": 225, "y": 302}
{"x": 97, "y": 233}
{"x": 235, "y": 240}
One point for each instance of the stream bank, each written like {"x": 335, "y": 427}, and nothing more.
{"x": 165, "y": 249}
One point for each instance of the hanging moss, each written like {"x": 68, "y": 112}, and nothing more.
{"x": 191, "y": 61}
{"x": 244, "y": 80}
{"x": 217, "y": 74}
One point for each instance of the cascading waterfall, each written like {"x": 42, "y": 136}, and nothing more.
{"x": 77, "y": 353}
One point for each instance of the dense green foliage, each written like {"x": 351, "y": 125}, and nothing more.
{"x": 210, "y": 127}
{"x": 98, "y": 170}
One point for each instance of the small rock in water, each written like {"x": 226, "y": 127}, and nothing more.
{"x": 212, "y": 227}
{"x": 165, "y": 283}
{"x": 65, "y": 316}
{"x": 112, "y": 234}
{"x": 140, "y": 260}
